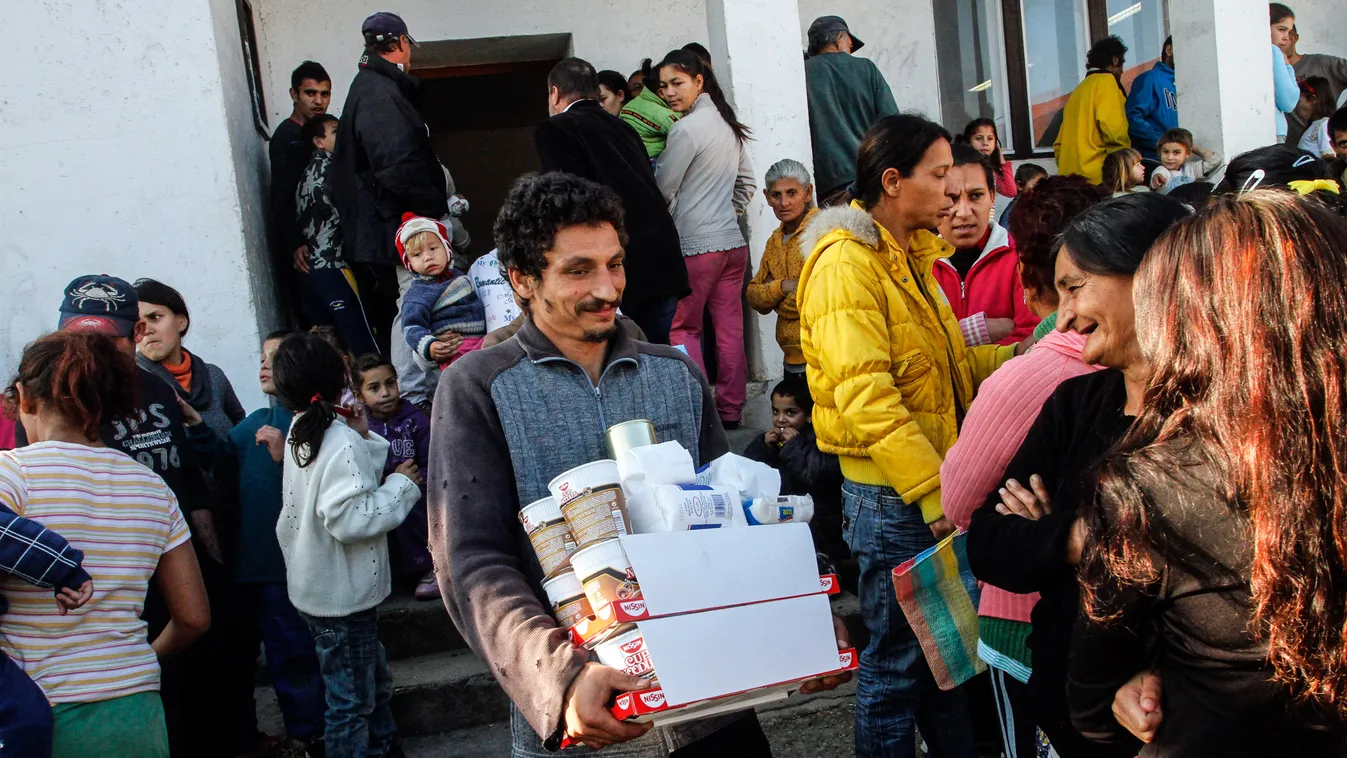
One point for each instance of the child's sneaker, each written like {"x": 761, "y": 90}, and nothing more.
{"x": 428, "y": 588}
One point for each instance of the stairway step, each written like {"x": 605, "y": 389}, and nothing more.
{"x": 486, "y": 741}
{"x": 445, "y": 691}
{"x": 409, "y": 628}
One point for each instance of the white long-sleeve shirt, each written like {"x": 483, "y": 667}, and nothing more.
{"x": 334, "y": 520}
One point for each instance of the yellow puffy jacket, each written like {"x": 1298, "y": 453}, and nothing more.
{"x": 1094, "y": 124}
{"x": 886, "y": 362}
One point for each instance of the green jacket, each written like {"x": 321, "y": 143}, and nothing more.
{"x": 651, "y": 119}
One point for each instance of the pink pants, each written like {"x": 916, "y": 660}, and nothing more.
{"x": 717, "y": 281}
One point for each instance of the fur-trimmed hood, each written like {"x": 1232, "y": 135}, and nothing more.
{"x": 847, "y": 218}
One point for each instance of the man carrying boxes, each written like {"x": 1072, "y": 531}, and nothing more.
{"x": 509, "y": 418}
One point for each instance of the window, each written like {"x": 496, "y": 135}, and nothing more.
{"x": 973, "y": 85}
{"x": 1017, "y": 61}
{"x": 248, "y": 37}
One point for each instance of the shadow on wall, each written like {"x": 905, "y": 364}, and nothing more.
{"x": 482, "y": 127}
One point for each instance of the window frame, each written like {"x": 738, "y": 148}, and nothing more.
{"x": 1020, "y": 117}
{"x": 252, "y": 66}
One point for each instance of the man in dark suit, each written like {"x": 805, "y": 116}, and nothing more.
{"x": 582, "y": 138}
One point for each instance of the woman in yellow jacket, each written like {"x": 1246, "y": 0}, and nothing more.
{"x": 891, "y": 380}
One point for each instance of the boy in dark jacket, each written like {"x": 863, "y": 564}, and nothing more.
{"x": 407, "y": 429}
{"x": 253, "y": 451}
{"x": 791, "y": 448}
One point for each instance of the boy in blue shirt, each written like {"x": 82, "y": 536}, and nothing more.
{"x": 254, "y": 450}
{"x": 1152, "y": 106}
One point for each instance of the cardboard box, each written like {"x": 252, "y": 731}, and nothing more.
{"x": 731, "y": 618}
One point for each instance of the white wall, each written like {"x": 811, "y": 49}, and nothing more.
{"x": 899, "y": 37}
{"x": 1322, "y": 26}
{"x": 116, "y": 158}
{"x": 607, "y": 33}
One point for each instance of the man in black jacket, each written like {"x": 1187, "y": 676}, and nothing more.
{"x": 582, "y": 138}
{"x": 384, "y": 166}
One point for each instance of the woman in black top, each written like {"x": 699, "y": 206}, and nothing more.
{"x": 1019, "y": 539}
{"x": 1217, "y": 552}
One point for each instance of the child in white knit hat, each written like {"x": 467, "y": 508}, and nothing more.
{"x": 442, "y": 317}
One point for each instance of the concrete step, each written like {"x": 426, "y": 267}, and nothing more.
{"x": 409, "y": 628}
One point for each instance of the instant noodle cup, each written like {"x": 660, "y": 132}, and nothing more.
{"x": 567, "y": 594}
{"x": 607, "y": 577}
{"x": 591, "y": 500}
{"x": 549, "y": 534}
{"x": 625, "y": 651}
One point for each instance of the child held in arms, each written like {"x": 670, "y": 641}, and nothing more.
{"x": 442, "y": 317}
{"x": 407, "y": 429}
{"x": 1182, "y": 162}
{"x": 791, "y": 448}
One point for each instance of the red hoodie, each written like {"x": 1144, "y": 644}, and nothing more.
{"x": 993, "y": 286}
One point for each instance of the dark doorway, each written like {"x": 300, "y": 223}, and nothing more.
{"x": 482, "y": 99}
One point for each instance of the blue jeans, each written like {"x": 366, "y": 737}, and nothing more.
{"x": 895, "y": 692}
{"x": 359, "y": 685}
{"x": 25, "y": 716}
{"x": 291, "y": 658}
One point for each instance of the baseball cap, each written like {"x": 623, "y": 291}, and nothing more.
{"x": 100, "y": 303}
{"x": 385, "y": 27}
{"x": 825, "y": 28}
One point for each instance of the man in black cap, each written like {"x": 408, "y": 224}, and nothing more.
{"x": 384, "y": 166}
{"x": 846, "y": 96}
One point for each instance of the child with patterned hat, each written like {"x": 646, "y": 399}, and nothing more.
{"x": 442, "y": 317}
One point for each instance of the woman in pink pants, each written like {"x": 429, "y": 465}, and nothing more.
{"x": 705, "y": 176}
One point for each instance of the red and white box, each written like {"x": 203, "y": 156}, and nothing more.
{"x": 731, "y": 618}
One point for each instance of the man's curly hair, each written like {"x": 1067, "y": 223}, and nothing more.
{"x": 540, "y": 205}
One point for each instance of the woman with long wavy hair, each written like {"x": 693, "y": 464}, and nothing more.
{"x": 1217, "y": 553}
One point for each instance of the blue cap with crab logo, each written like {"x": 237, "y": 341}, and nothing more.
{"x": 100, "y": 303}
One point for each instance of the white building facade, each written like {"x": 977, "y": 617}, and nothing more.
{"x": 132, "y": 135}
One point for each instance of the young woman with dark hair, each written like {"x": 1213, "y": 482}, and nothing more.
{"x": 982, "y": 135}
{"x": 706, "y": 178}
{"x": 97, "y": 667}
{"x": 335, "y": 518}
{"x": 890, "y": 378}
{"x": 980, "y": 277}
{"x": 614, "y": 93}
{"x": 1215, "y": 554}
{"x": 160, "y": 351}
{"x": 1021, "y": 538}
{"x": 1007, "y": 404}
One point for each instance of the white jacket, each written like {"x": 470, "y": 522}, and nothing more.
{"x": 334, "y": 520}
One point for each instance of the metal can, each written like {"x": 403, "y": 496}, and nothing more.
{"x": 629, "y": 434}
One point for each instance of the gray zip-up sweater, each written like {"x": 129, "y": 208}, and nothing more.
{"x": 707, "y": 180}
{"x": 507, "y": 419}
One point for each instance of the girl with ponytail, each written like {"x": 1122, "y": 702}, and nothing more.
{"x": 335, "y": 517}
{"x": 706, "y": 178}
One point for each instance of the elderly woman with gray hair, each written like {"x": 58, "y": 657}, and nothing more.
{"x": 790, "y": 192}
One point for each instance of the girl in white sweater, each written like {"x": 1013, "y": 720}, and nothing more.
{"x": 333, "y": 531}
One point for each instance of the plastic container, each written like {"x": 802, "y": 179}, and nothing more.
{"x": 607, "y": 577}
{"x": 625, "y": 651}
{"x": 567, "y": 594}
{"x": 783, "y": 509}
{"x": 591, "y": 501}
{"x": 549, "y": 534}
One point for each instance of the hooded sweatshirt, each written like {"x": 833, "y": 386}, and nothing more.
{"x": 1152, "y": 109}
{"x": 991, "y": 288}
{"x": 408, "y": 435}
